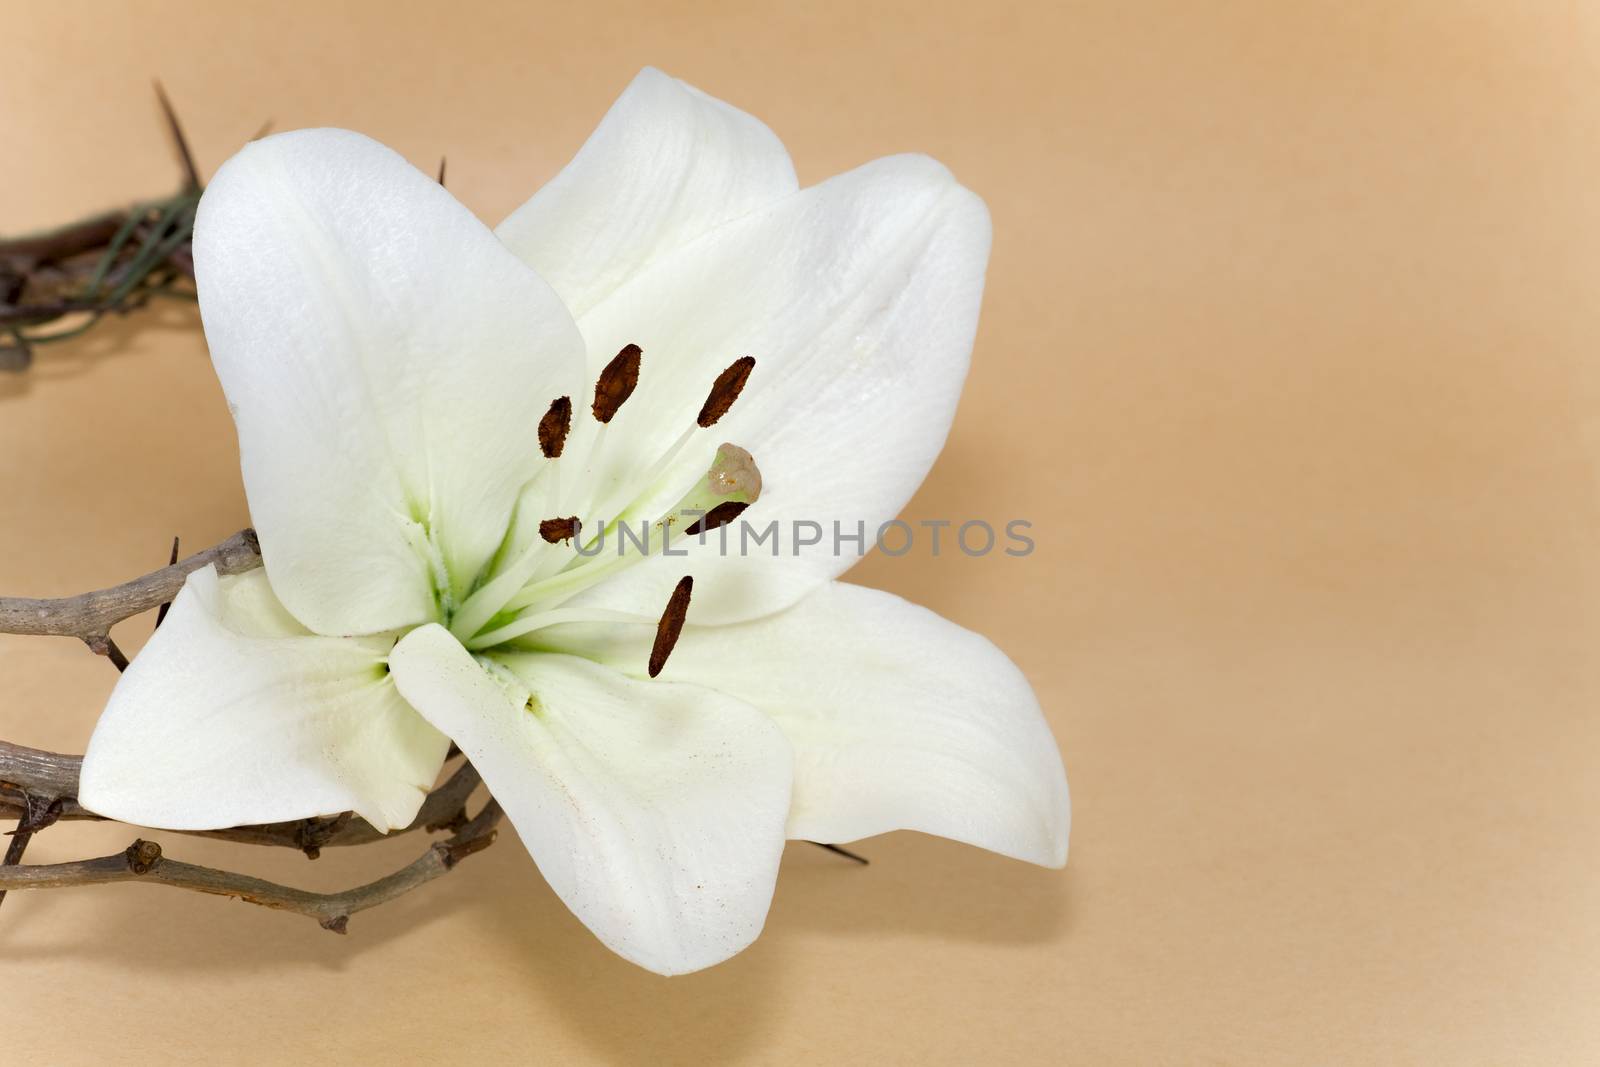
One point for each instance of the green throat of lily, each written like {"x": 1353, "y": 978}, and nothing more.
{"x": 526, "y": 587}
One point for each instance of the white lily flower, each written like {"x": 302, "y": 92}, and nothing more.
{"x": 394, "y": 369}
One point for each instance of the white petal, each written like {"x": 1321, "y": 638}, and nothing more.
{"x": 234, "y": 714}
{"x": 858, "y": 299}
{"x": 386, "y": 360}
{"x": 666, "y": 164}
{"x": 654, "y": 811}
{"x": 899, "y": 719}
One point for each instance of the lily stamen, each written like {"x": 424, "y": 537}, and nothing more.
{"x": 527, "y": 624}
{"x": 724, "y": 391}
{"x": 717, "y": 517}
{"x": 616, "y": 383}
{"x": 553, "y": 430}
{"x": 540, "y": 577}
{"x": 671, "y": 625}
{"x": 554, "y": 427}
{"x": 733, "y": 478}
{"x": 554, "y": 531}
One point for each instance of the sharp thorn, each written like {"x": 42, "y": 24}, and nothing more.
{"x": 191, "y": 173}
{"x": 103, "y": 645}
{"x": 161, "y": 612}
{"x": 846, "y": 853}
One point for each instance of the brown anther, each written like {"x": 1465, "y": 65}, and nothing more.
{"x": 671, "y": 624}
{"x": 616, "y": 383}
{"x": 718, "y": 516}
{"x": 725, "y": 390}
{"x": 557, "y": 530}
{"x": 554, "y": 426}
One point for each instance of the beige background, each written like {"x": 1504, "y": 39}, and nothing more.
{"x": 1289, "y": 353}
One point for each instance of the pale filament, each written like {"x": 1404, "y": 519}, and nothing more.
{"x": 543, "y": 574}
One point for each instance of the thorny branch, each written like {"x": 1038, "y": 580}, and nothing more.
{"x": 143, "y": 861}
{"x": 50, "y": 780}
{"x": 91, "y": 615}
{"x": 39, "y": 788}
{"x": 111, "y": 263}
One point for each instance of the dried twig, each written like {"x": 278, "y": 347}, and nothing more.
{"x": 91, "y": 615}
{"x": 50, "y": 779}
{"x": 39, "y": 788}
{"x": 166, "y": 606}
{"x": 35, "y": 816}
{"x": 143, "y": 861}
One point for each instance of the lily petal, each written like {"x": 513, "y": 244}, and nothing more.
{"x": 234, "y": 714}
{"x": 655, "y": 812}
{"x": 858, "y": 299}
{"x": 385, "y": 359}
{"x": 666, "y": 164}
{"x": 900, "y": 719}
